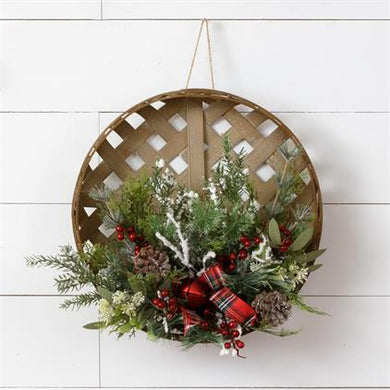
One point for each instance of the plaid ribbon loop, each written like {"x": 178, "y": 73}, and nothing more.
{"x": 226, "y": 301}
{"x": 223, "y": 298}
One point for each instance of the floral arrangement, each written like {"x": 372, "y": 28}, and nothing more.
{"x": 195, "y": 267}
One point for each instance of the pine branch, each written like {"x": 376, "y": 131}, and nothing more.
{"x": 82, "y": 300}
{"x": 197, "y": 335}
{"x": 75, "y": 272}
{"x": 297, "y": 300}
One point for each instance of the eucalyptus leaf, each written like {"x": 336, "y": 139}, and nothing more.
{"x": 104, "y": 293}
{"x": 95, "y": 325}
{"x": 314, "y": 267}
{"x": 135, "y": 283}
{"x": 302, "y": 240}
{"x": 274, "y": 232}
{"x": 310, "y": 256}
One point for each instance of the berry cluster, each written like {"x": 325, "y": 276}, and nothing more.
{"x": 287, "y": 240}
{"x": 132, "y": 236}
{"x": 165, "y": 301}
{"x": 230, "y": 331}
{"x": 228, "y": 262}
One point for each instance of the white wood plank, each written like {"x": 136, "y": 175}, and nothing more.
{"x": 109, "y": 66}
{"x": 357, "y": 257}
{"x": 348, "y": 349}
{"x": 45, "y": 346}
{"x": 268, "y": 9}
{"x": 50, "y": 9}
{"x": 350, "y": 152}
{"x": 42, "y": 154}
{"x": 31, "y": 229}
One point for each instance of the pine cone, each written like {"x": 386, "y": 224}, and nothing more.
{"x": 272, "y": 307}
{"x": 150, "y": 260}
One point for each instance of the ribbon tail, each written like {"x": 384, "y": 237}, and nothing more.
{"x": 233, "y": 307}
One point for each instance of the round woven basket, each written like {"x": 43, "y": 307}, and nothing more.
{"x": 185, "y": 128}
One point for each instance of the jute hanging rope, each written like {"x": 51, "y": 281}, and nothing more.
{"x": 204, "y": 22}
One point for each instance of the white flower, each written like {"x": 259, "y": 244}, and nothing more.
{"x": 294, "y": 274}
{"x": 298, "y": 274}
{"x": 138, "y": 299}
{"x": 160, "y": 163}
{"x": 129, "y": 309}
{"x": 106, "y": 312}
{"x": 120, "y": 297}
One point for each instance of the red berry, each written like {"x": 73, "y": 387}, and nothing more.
{"x": 232, "y": 324}
{"x": 137, "y": 249}
{"x": 224, "y": 332}
{"x": 232, "y": 267}
{"x": 173, "y": 301}
{"x": 282, "y": 228}
{"x": 243, "y": 254}
{"x": 243, "y": 239}
{"x": 161, "y": 305}
{"x": 207, "y": 312}
{"x": 247, "y": 244}
{"x": 145, "y": 244}
{"x": 119, "y": 229}
{"x": 120, "y": 236}
{"x": 164, "y": 293}
{"x": 141, "y": 238}
{"x": 289, "y": 241}
{"x": 155, "y": 301}
{"x": 284, "y": 249}
{"x": 171, "y": 308}
{"x": 287, "y": 232}
{"x": 232, "y": 256}
{"x": 204, "y": 325}
{"x": 240, "y": 344}
{"x": 132, "y": 236}
{"x": 227, "y": 345}
{"x": 130, "y": 229}
{"x": 257, "y": 240}
{"x": 223, "y": 325}
{"x": 235, "y": 333}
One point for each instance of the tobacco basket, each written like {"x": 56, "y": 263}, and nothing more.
{"x": 185, "y": 128}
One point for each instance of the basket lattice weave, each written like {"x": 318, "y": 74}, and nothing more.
{"x": 189, "y": 125}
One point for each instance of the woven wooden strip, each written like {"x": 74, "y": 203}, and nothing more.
{"x": 195, "y": 134}
{"x": 187, "y": 122}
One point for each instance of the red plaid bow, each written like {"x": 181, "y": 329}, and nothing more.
{"x": 226, "y": 301}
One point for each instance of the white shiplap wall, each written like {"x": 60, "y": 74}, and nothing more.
{"x": 69, "y": 67}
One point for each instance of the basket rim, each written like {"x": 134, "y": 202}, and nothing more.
{"x": 190, "y": 93}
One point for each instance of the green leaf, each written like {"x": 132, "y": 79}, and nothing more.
{"x": 281, "y": 333}
{"x": 104, "y": 293}
{"x": 135, "y": 283}
{"x": 126, "y": 327}
{"x": 95, "y": 325}
{"x": 274, "y": 232}
{"x": 314, "y": 267}
{"x": 302, "y": 240}
{"x": 310, "y": 256}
